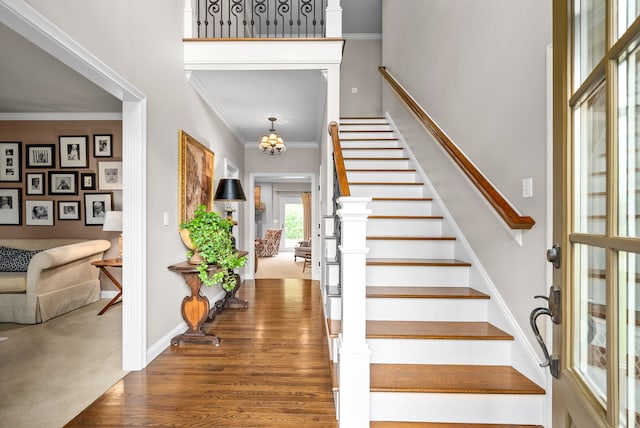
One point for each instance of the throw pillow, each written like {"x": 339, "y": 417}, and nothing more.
{"x": 15, "y": 259}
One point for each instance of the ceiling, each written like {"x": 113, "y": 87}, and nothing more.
{"x": 32, "y": 81}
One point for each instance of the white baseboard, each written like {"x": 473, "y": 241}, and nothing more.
{"x": 108, "y": 294}
{"x": 165, "y": 341}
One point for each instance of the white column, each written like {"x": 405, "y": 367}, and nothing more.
{"x": 354, "y": 353}
{"x": 333, "y": 19}
{"x": 188, "y": 20}
{"x": 332, "y": 76}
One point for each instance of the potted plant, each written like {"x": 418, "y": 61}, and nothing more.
{"x": 208, "y": 236}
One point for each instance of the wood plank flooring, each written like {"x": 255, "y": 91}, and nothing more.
{"x": 270, "y": 370}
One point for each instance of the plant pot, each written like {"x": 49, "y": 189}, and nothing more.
{"x": 195, "y": 259}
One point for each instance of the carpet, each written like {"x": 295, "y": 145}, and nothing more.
{"x": 50, "y": 372}
{"x": 281, "y": 266}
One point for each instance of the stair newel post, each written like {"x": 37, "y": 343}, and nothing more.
{"x": 354, "y": 353}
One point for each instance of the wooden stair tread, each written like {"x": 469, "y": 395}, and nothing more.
{"x": 408, "y": 217}
{"x": 334, "y": 327}
{"x": 455, "y": 330}
{"x": 365, "y": 130}
{"x": 384, "y": 183}
{"x": 393, "y": 424}
{"x": 371, "y": 148}
{"x": 362, "y": 117}
{"x": 444, "y": 378}
{"x": 416, "y": 262}
{"x": 380, "y": 170}
{"x": 425, "y": 292}
{"x": 373, "y": 159}
{"x": 402, "y": 199}
{"x": 368, "y": 139}
{"x": 411, "y": 238}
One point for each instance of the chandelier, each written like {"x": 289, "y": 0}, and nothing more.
{"x": 271, "y": 143}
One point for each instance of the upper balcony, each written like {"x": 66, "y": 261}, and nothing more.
{"x": 262, "y": 34}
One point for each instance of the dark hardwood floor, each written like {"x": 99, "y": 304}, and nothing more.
{"x": 270, "y": 370}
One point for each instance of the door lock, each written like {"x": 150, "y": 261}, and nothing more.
{"x": 554, "y": 255}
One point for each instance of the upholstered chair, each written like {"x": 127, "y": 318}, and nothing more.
{"x": 302, "y": 250}
{"x": 270, "y": 245}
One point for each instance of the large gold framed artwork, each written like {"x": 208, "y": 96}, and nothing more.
{"x": 196, "y": 176}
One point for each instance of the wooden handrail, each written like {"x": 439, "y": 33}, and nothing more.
{"x": 508, "y": 213}
{"x": 341, "y": 171}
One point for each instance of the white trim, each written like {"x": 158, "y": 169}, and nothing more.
{"x": 27, "y": 22}
{"x": 61, "y": 116}
{"x": 289, "y": 144}
{"x": 165, "y": 341}
{"x": 108, "y": 294}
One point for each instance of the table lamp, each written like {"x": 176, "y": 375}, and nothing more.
{"x": 230, "y": 190}
{"x": 113, "y": 223}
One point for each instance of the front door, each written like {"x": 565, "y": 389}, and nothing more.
{"x": 597, "y": 211}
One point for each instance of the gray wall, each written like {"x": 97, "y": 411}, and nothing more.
{"x": 478, "y": 68}
{"x": 359, "y": 70}
{"x": 142, "y": 41}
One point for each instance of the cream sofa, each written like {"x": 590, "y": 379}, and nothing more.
{"x": 59, "y": 279}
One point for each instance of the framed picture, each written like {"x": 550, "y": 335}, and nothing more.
{"x": 87, "y": 181}
{"x": 110, "y": 175}
{"x": 41, "y": 156}
{"x": 10, "y": 207}
{"x": 95, "y": 205}
{"x": 63, "y": 183}
{"x": 39, "y": 213}
{"x": 35, "y": 183}
{"x": 195, "y": 175}
{"x": 10, "y": 161}
{"x": 73, "y": 151}
{"x": 68, "y": 210}
{"x": 102, "y": 146}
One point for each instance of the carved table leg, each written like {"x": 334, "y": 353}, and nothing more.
{"x": 195, "y": 311}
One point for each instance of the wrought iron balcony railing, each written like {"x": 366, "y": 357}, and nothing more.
{"x": 259, "y": 18}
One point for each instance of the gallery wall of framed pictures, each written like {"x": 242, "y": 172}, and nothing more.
{"x": 55, "y": 173}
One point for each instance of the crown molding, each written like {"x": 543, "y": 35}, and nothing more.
{"x": 60, "y": 116}
{"x": 290, "y": 144}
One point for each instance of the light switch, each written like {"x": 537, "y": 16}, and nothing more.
{"x": 527, "y": 188}
{"x": 165, "y": 219}
{"x": 354, "y": 90}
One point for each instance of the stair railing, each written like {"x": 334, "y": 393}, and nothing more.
{"x": 354, "y": 355}
{"x": 504, "y": 209}
{"x": 233, "y": 19}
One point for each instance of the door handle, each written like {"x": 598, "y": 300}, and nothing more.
{"x": 554, "y": 312}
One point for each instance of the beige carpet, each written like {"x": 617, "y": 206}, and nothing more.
{"x": 281, "y": 266}
{"x": 50, "y": 372}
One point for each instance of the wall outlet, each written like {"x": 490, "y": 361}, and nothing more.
{"x": 527, "y": 188}
{"x": 354, "y": 90}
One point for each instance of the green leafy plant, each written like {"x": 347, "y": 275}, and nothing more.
{"x": 210, "y": 235}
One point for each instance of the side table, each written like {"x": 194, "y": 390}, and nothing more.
{"x": 103, "y": 265}
{"x": 195, "y": 308}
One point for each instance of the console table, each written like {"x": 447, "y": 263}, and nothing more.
{"x": 195, "y": 308}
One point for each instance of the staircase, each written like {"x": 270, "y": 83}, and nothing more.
{"x": 434, "y": 356}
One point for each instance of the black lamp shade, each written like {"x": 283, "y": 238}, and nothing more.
{"x": 230, "y": 190}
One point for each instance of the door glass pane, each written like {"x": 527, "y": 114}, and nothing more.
{"x": 589, "y": 39}
{"x": 293, "y": 224}
{"x": 590, "y": 334}
{"x": 629, "y": 161}
{"x": 627, "y": 13}
{"x": 629, "y": 338}
{"x": 591, "y": 164}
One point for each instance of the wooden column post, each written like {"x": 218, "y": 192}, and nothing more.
{"x": 354, "y": 353}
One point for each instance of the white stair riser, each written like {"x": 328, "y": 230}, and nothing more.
{"x": 386, "y": 190}
{"x": 365, "y": 126}
{"x": 374, "y": 164}
{"x": 410, "y": 309}
{"x": 332, "y": 274}
{"x": 382, "y": 176}
{"x": 407, "y": 276}
{"x": 358, "y": 144}
{"x": 372, "y": 153}
{"x": 400, "y": 207}
{"x": 367, "y": 120}
{"x": 439, "y": 351}
{"x": 461, "y": 408}
{"x": 404, "y": 227}
{"x": 366, "y": 134}
{"x": 330, "y": 249}
{"x": 410, "y": 249}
